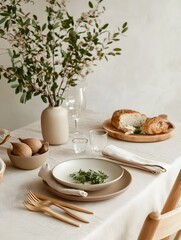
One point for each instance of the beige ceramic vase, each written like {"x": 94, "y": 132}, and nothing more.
{"x": 54, "y": 125}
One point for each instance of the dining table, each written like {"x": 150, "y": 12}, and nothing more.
{"x": 119, "y": 217}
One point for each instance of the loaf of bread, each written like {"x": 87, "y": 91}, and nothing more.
{"x": 156, "y": 125}
{"x": 130, "y": 122}
{"x": 127, "y": 120}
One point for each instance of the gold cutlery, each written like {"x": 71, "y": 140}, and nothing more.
{"x": 31, "y": 197}
{"x": 41, "y": 208}
{"x": 62, "y": 203}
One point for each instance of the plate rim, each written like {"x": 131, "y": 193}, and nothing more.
{"x": 141, "y": 138}
{"x": 92, "y": 187}
{"x": 126, "y": 175}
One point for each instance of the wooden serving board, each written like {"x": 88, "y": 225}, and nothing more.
{"x": 115, "y": 133}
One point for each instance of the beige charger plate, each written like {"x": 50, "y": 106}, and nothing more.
{"x": 115, "y": 133}
{"x": 106, "y": 193}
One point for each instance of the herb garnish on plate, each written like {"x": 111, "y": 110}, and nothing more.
{"x": 91, "y": 176}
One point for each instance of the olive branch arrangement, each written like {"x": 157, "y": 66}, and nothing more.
{"x": 47, "y": 58}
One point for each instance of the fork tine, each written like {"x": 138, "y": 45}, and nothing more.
{"x": 29, "y": 201}
{"x": 50, "y": 212}
{"x": 34, "y": 196}
{"x": 30, "y": 198}
{"x": 47, "y": 203}
{"x": 26, "y": 204}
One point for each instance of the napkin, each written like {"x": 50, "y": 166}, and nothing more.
{"x": 129, "y": 159}
{"x": 46, "y": 174}
{"x": 4, "y": 135}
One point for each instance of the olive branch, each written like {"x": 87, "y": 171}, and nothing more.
{"x": 48, "y": 58}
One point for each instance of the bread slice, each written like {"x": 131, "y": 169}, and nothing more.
{"x": 127, "y": 120}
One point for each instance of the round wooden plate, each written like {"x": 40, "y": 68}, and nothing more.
{"x": 115, "y": 133}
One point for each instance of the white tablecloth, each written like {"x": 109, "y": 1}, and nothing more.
{"x": 118, "y": 218}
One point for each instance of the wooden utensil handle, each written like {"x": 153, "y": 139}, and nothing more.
{"x": 64, "y": 204}
{"x": 60, "y": 217}
{"x": 72, "y": 214}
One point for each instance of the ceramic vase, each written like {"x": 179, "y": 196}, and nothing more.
{"x": 54, "y": 125}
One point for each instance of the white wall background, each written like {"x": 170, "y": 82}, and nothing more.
{"x": 146, "y": 77}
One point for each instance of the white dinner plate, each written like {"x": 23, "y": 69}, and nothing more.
{"x": 63, "y": 170}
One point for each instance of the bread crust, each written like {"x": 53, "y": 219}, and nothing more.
{"x": 117, "y": 114}
{"x": 156, "y": 125}
{"x": 150, "y": 126}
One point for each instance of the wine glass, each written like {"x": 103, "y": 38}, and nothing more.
{"x": 76, "y": 103}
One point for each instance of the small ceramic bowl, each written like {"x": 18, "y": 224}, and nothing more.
{"x": 28, "y": 163}
{"x": 2, "y": 169}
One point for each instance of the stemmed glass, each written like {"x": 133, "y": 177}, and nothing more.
{"x": 76, "y": 103}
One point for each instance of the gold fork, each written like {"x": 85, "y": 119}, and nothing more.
{"x": 32, "y": 197}
{"x": 36, "y": 207}
{"x": 64, "y": 204}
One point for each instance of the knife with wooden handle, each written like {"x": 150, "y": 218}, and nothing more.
{"x": 69, "y": 212}
{"x": 62, "y": 203}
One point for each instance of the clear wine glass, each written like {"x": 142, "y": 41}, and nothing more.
{"x": 76, "y": 103}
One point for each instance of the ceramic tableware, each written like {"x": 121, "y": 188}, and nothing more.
{"x": 28, "y": 163}
{"x": 63, "y": 170}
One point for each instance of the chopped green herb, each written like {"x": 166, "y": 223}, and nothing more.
{"x": 90, "y": 176}
{"x": 138, "y": 130}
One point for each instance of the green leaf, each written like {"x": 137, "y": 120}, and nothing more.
{"x": 60, "y": 15}
{"x": 66, "y": 23}
{"x": 4, "y": 14}
{"x": 56, "y": 25}
{"x": 54, "y": 87}
{"x": 2, "y": 20}
{"x": 10, "y": 53}
{"x": 36, "y": 93}
{"x": 111, "y": 53}
{"x": 90, "y": 4}
{"x": 44, "y": 99}
{"x": 116, "y": 34}
{"x": 27, "y": 22}
{"x": 14, "y": 85}
{"x": 125, "y": 25}
{"x": 117, "y": 49}
{"x": 105, "y": 26}
{"x": 106, "y": 58}
{"x": 124, "y": 30}
{"x": 23, "y": 98}
{"x": 20, "y": 21}
{"x": 88, "y": 54}
{"x": 44, "y": 26}
{"x": 7, "y": 24}
{"x": 35, "y": 17}
{"x": 1, "y": 32}
{"x": 29, "y": 95}
{"x": 18, "y": 89}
